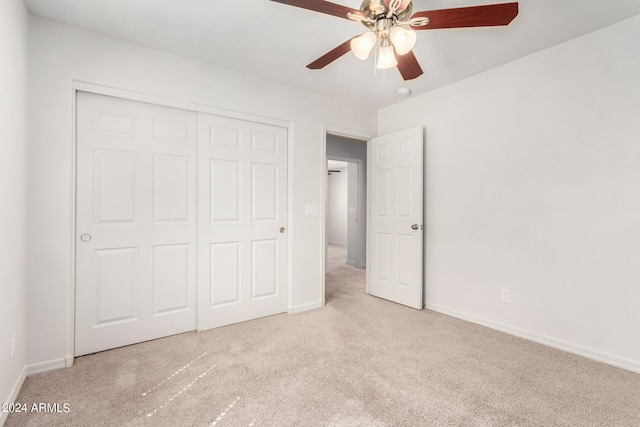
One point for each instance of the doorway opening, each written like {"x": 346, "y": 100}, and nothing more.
{"x": 393, "y": 212}
{"x": 345, "y": 216}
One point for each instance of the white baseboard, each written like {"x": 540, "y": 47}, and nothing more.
{"x": 13, "y": 395}
{"x": 598, "y": 356}
{"x": 46, "y": 366}
{"x": 305, "y": 307}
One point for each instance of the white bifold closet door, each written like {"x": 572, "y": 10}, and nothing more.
{"x": 159, "y": 191}
{"x": 242, "y": 220}
{"x": 135, "y": 222}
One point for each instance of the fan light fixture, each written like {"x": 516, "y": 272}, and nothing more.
{"x": 361, "y": 46}
{"x": 398, "y": 39}
{"x": 403, "y": 40}
{"x": 386, "y": 58}
{"x": 385, "y": 25}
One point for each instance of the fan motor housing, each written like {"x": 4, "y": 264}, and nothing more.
{"x": 377, "y": 9}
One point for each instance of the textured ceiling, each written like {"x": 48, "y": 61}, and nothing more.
{"x": 275, "y": 41}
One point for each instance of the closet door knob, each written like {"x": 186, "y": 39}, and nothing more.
{"x": 281, "y": 229}
{"x": 85, "y": 237}
{"x": 415, "y": 226}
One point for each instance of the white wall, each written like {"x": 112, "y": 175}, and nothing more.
{"x": 337, "y": 198}
{"x": 60, "y": 54}
{"x": 13, "y": 195}
{"x": 533, "y": 184}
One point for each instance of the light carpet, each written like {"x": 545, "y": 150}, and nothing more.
{"x": 359, "y": 361}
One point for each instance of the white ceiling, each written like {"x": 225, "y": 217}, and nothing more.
{"x": 275, "y": 41}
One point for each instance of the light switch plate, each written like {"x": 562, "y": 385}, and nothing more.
{"x": 311, "y": 210}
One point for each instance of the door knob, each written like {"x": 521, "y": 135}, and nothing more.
{"x": 281, "y": 229}
{"x": 85, "y": 237}
{"x": 415, "y": 226}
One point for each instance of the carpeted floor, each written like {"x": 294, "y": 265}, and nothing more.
{"x": 359, "y": 361}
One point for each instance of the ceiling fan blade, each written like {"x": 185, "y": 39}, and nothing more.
{"x": 408, "y": 66}
{"x": 331, "y": 56}
{"x": 323, "y": 7}
{"x": 474, "y": 16}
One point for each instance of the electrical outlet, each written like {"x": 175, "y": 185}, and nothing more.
{"x": 13, "y": 345}
{"x": 505, "y": 295}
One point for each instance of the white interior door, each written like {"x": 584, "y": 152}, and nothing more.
{"x": 242, "y": 220}
{"x": 136, "y": 222}
{"x": 394, "y": 259}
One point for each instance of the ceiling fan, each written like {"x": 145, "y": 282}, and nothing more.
{"x": 391, "y": 23}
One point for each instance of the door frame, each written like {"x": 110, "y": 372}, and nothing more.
{"x": 347, "y": 133}
{"x": 82, "y": 86}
